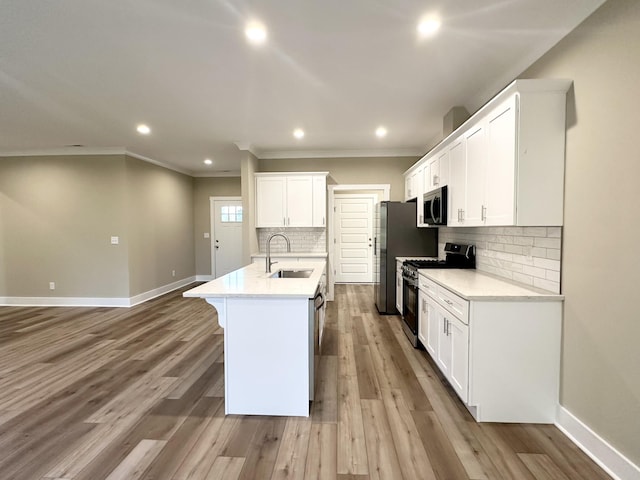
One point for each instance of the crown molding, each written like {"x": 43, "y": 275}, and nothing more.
{"x": 45, "y": 152}
{"x": 397, "y": 152}
{"x": 168, "y": 166}
{"x": 228, "y": 173}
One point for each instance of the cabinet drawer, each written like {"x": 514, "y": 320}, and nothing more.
{"x": 452, "y": 302}
{"x": 427, "y": 286}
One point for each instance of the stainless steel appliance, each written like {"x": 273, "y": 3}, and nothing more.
{"x": 434, "y": 206}
{"x": 457, "y": 256}
{"x": 317, "y": 308}
{"x": 397, "y": 236}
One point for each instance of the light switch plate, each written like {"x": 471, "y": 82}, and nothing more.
{"x": 115, "y": 240}
{"x": 206, "y": 234}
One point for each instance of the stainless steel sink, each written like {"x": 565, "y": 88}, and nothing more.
{"x": 292, "y": 274}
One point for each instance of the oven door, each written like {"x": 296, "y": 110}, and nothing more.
{"x": 410, "y": 309}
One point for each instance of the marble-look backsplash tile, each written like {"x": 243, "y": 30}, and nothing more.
{"x": 527, "y": 255}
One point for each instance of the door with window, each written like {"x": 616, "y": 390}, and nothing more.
{"x": 226, "y": 241}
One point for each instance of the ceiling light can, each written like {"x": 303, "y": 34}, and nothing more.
{"x": 256, "y": 32}
{"x": 381, "y": 132}
{"x": 143, "y": 129}
{"x": 298, "y": 133}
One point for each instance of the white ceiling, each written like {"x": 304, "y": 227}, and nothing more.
{"x": 88, "y": 71}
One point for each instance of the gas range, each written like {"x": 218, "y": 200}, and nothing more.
{"x": 457, "y": 256}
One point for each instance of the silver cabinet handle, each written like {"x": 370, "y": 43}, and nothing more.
{"x": 421, "y": 219}
{"x": 284, "y": 220}
{"x": 483, "y": 213}
{"x": 436, "y": 180}
{"x": 449, "y": 302}
{"x": 323, "y": 220}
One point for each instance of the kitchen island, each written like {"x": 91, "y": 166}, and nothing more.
{"x": 271, "y": 333}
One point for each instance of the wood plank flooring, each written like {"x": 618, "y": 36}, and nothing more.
{"x": 100, "y": 393}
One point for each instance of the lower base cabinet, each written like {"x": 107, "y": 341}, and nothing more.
{"x": 502, "y": 358}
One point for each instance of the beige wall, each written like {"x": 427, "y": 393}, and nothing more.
{"x": 203, "y": 189}
{"x": 375, "y": 170}
{"x": 600, "y": 256}
{"x": 57, "y": 215}
{"x": 159, "y": 209}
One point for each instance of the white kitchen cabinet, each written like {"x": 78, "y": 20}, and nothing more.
{"x": 319, "y": 201}
{"x": 506, "y": 162}
{"x": 457, "y": 188}
{"x": 271, "y": 201}
{"x": 291, "y": 200}
{"x": 410, "y": 185}
{"x": 489, "y": 348}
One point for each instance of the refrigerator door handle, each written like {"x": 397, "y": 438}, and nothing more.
{"x": 375, "y": 245}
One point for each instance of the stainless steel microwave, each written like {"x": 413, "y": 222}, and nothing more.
{"x": 434, "y": 204}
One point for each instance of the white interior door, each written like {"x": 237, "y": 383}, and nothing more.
{"x": 226, "y": 242}
{"x": 353, "y": 222}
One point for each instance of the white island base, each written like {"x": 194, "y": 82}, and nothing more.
{"x": 270, "y": 337}
{"x": 266, "y": 363}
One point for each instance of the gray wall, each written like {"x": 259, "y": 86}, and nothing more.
{"x": 203, "y": 189}
{"x": 57, "y": 215}
{"x": 601, "y": 356}
{"x": 159, "y": 209}
{"x": 342, "y": 171}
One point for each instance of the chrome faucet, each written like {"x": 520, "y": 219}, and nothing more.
{"x": 269, "y": 262}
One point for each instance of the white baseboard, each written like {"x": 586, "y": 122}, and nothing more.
{"x": 156, "y": 292}
{"x": 204, "y": 278}
{"x": 600, "y": 451}
{"x": 94, "y": 302}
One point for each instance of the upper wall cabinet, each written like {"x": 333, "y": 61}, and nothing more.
{"x": 506, "y": 163}
{"x": 291, "y": 199}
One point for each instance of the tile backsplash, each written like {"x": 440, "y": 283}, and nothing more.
{"x": 303, "y": 240}
{"x": 526, "y": 255}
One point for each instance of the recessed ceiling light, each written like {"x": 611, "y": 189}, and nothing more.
{"x": 298, "y": 133}
{"x": 256, "y": 33}
{"x": 428, "y": 26}
{"x": 381, "y": 132}
{"x": 143, "y": 129}
{"x": 208, "y": 161}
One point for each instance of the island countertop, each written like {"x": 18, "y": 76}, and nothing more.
{"x": 253, "y": 281}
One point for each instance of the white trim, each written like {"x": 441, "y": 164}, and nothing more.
{"x": 54, "y": 152}
{"x": 212, "y": 222}
{"x": 219, "y": 173}
{"x": 398, "y": 152}
{"x": 204, "y": 278}
{"x": 159, "y": 163}
{"x": 76, "y": 151}
{"x": 386, "y": 192}
{"x": 94, "y": 301}
{"x": 604, "y": 454}
{"x": 156, "y": 292}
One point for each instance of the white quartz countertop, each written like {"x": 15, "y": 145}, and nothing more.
{"x": 253, "y": 281}
{"x": 292, "y": 255}
{"x": 474, "y": 285}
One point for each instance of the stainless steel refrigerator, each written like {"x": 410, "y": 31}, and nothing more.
{"x": 396, "y": 235}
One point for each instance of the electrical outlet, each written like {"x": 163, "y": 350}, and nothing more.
{"x": 173, "y": 273}
{"x": 115, "y": 240}
{"x": 52, "y": 285}
{"x": 206, "y": 234}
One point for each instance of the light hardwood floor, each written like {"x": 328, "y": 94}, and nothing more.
{"x": 95, "y": 393}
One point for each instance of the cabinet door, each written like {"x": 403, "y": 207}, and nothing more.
{"x": 422, "y": 317}
{"x": 319, "y": 201}
{"x": 443, "y": 358}
{"x": 476, "y": 175}
{"x": 419, "y": 190}
{"x": 501, "y": 169}
{"x": 270, "y": 201}
{"x": 440, "y": 170}
{"x": 457, "y": 181}
{"x": 433, "y": 330}
{"x": 300, "y": 201}
{"x": 409, "y": 186}
{"x": 399, "y": 291}
{"x": 459, "y": 367}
